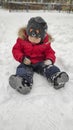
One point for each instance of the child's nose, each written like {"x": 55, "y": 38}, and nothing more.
{"x": 33, "y": 34}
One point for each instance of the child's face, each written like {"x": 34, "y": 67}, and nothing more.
{"x": 34, "y": 40}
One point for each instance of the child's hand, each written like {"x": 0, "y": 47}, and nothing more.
{"x": 48, "y": 62}
{"x": 26, "y": 61}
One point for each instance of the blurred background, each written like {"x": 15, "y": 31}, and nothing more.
{"x": 50, "y": 5}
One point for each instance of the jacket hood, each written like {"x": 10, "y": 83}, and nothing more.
{"x": 23, "y": 35}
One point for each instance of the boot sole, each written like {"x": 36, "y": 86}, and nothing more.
{"x": 15, "y": 82}
{"x": 60, "y": 80}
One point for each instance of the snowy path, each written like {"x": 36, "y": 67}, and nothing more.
{"x": 44, "y": 108}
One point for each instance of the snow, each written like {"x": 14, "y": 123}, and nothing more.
{"x": 44, "y": 108}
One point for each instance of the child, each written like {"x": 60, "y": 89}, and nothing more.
{"x": 34, "y": 52}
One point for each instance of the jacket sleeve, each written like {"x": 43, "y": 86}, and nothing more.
{"x": 17, "y": 50}
{"x": 50, "y": 53}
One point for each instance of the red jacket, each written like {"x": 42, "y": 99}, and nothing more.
{"x": 35, "y": 52}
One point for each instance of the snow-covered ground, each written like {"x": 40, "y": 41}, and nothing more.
{"x": 44, "y": 108}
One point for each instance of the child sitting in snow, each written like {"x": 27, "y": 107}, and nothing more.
{"x": 34, "y": 52}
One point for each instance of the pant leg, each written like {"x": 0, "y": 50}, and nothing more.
{"x": 25, "y": 71}
{"x": 50, "y": 71}
{"x": 47, "y": 71}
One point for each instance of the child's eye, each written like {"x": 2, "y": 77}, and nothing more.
{"x": 31, "y": 30}
{"x": 39, "y": 36}
{"x": 37, "y": 31}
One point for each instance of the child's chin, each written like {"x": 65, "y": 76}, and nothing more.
{"x": 33, "y": 42}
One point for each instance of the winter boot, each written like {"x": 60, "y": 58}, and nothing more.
{"x": 19, "y": 84}
{"x": 59, "y": 79}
